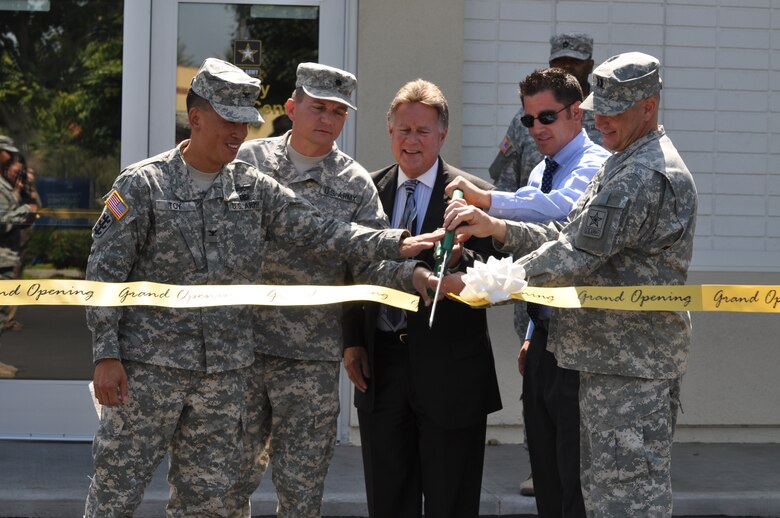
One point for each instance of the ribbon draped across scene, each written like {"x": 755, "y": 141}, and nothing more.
{"x": 707, "y": 297}
{"x": 501, "y": 279}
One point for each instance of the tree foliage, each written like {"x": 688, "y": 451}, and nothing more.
{"x": 60, "y": 82}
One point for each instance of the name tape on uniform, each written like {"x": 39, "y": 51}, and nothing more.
{"x": 705, "y": 297}
{"x": 59, "y": 292}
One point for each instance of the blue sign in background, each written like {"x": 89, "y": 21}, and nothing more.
{"x": 65, "y": 193}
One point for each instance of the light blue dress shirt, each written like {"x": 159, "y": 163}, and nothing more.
{"x": 578, "y": 161}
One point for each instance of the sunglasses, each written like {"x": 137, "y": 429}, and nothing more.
{"x": 545, "y": 118}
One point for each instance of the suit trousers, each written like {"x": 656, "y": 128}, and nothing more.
{"x": 407, "y": 458}
{"x": 552, "y": 423}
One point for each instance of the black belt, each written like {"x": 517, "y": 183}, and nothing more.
{"x": 392, "y": 337}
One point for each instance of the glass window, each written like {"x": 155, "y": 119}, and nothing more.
{"x": 267, "y": 41}
{"x": 60, "y": 106}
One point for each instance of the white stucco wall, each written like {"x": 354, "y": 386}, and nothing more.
{"x": 720, "y": 103}
{"x": 400, "y": 41}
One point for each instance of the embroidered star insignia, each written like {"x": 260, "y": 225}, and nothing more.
{"x": 247, "y": 54}
{"x": 595, "y": 219}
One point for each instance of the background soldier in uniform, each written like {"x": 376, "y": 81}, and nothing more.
{"x": 293, "y": 392}
{"x": 174, "y": 379}
{"x": 633, "y": 226}
{"x": 16, "y": 212}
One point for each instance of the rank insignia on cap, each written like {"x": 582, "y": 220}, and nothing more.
{"x": 116, "y": 205}
{"x": 505, "y": 145}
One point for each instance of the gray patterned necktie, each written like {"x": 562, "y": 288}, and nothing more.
{"x": 397, "y": 317}
{"x": 409, "y": 215}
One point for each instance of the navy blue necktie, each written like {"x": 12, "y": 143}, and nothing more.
{"x": 549, "y": 170}
{"x": 397, "y": 317}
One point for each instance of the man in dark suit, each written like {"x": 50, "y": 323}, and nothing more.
{"x": 423, "y": 395}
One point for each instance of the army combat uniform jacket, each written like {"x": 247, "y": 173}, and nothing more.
{"x": 13, "y": 215}
{"x": 169, "y": 234}
{"x": 633, "y": 226}
{"x": 340, "y": 188}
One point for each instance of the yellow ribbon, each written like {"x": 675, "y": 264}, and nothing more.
{"x": 59, "y": 292}
{"x": 62, "y": 292}
{"x": 705, "y": 297}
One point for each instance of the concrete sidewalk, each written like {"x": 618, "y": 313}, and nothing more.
{"x": 50, "y": 480}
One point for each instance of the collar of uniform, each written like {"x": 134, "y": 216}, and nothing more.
{"x": 290, "y": 174}
{"x": 622, "y": 156}
{"x": 182, "y": 187}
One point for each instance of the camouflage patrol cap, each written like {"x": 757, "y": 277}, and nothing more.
{"x": 577, "y": 45}
{"x": 622, "y": 81}
{"x": 328, "y": 83}
{"x": 7, "y": 144}
{"x": 230, "y": 91}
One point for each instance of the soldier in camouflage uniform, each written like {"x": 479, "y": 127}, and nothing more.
{"x": 633, "y": 226}
{"x": 174, "y": 379}
{"x": 13, "y": 215}
{"x": 293, "y": 393}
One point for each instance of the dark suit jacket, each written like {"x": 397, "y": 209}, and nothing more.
{"x": 454, "y": 376}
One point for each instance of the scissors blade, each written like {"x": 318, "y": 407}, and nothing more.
{"x": 444, "y": 262}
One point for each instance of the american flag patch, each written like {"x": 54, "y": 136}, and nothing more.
{"x": 505, "y": 145}
{"x": 116, "y": 205}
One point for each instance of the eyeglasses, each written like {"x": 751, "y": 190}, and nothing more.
{"x": 545, "y": 118}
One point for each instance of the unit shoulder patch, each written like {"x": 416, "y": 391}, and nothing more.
{"x": 595, "y": 221}
{"x": 102, "y": 225}
{"x": 505, "y": 145}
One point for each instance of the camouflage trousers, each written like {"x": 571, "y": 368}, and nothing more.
{"x": 292, "y": 410}
{"x": 521, "y": 320}
{"x": 627, "y": 425}
{"x": 193, "y": 416}
{"x": 6, "y": 274}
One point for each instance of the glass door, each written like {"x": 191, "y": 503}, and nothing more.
{"x": 267, "y": 39}
{"x": 60, "y": 121}
{"x": 88, "y": 87}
